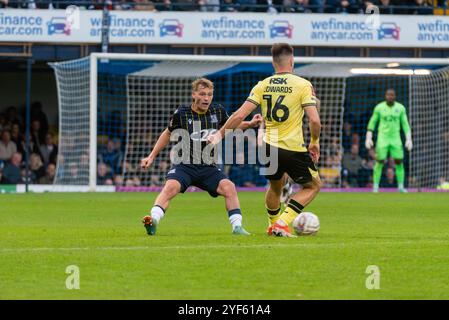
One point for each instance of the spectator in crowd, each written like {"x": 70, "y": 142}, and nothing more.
{"x": 412, "y": 182}
{"x": 123, "y": 5}
{"x": 104, "y": 177}
{"x": 389, "y": 180}
{"x": 366, "y": 172}
{"x": 3, "y": 4}
{"x": 129, "y": 170}
{"x": 144, "y": 5}
{"x": 12, "y": 116}
{"x": 228, "y": 6}
{"x": 246, "y": 5}
{"x": 355, "y": 139}
{"x": 37, "y": 137}
{"x": 317, "y": 5}
{"x": 366, "y": 5}
{"x": 332, "y": 152}
{"x": 60, "y": 160}
{"x": 38, "y": 114}
{"x": 118, "y": 146}
{"x": 156, "y": 180}
{"x": 163, "y": 166}
{"x": 133, "y": 182}
{"x": 300, "y": 6}
{"x": 46, "y": 4}
{"x": 385, "y": 7}
{"x": 163, "y": 5}
{"x": 2, "y": 120}
{"x": 351, "y": 164}
{"x": 36, "y": 167}
{"x": 98, "y": 5}
{"x": 83, "y": 164}
{"x": 11, "y": 171}
{"x": 30, "y": 178}
{"x": 137, "y": 181}
{"x": 2, "y": 165}
{"x": 342, "y": 6}
{"x": 421, "y": 7}
{"x": 49, "y": 175}
{"x": 241, "y": 174}
{"x": 270, "y": 6}
{"x": 73, "y": 172}
{"x": 49, "y": 150}
{"x": 118, "y": 180}
{"x": 7, "y": 147}
{"x": 185, "y": 5}
{"x": 347, "y": 137}
{"x": 17, "y": 138}
{"x": 209, "y": 5}
{"x": 112, "y": 157}
{"x": 401, "y": 6}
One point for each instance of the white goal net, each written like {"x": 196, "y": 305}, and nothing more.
{"x": 113, "y": 107}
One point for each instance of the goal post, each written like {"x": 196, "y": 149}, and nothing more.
{"x": 130, "y": 97}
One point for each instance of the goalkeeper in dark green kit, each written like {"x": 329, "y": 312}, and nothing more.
{"x": 391, "y": 116}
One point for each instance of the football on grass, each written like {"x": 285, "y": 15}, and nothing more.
{"x": 306, "y": 224}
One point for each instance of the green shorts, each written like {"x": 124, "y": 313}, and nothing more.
{"x": 394, "y": 147}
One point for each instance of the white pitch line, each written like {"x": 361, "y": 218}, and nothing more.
{"x": 230, "y": 246}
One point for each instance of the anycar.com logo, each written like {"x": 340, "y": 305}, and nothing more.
{"x": 58, "y": 25}
{"x": 281, "y": 29}
{"x": 388, "y": 30}
{"x": 171, "y": 27}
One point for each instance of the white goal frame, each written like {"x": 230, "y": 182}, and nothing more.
{"x": 95, "y": 57}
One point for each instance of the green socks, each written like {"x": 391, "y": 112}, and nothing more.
{"x": 400, "y": 175}
{"x": 378, "y": 173}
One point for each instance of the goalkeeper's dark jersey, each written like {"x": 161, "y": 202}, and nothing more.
{"x": 196, "y": 128}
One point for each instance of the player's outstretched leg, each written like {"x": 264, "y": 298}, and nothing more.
{"x": 287, "y": 191}
{"x": 227, "y": 189}
{"x": 272, "y": 202}
{"x": 295, "y": 206}
{"x": 170, "y": 190}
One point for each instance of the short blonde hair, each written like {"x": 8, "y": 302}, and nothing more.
{"x": 202, "y": 82}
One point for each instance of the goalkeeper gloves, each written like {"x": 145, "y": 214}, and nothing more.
{"x": 369, "y": 140}
{"x": 408, "y": 141}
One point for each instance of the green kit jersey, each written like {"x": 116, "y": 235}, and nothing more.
{"x": 390, "y": 121}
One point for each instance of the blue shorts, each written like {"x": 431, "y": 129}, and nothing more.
{"x": 205, "y": 177}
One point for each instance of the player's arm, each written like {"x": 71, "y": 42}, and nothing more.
{"x": 162, "y": 141}
{"x": 406, "y": 128}
{"x": 310, "y": 103}
{"x": 236, "y": 119}
{"x": 260, "y": 132}
{"x": 315, "y": 130}
{"x": 255, "y": 122}
{"x": 371, "y": 127}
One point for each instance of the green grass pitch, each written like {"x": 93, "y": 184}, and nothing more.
{"x": 194, "y": 255}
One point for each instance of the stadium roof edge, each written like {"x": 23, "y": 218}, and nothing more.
{"x": 267, "y": 59}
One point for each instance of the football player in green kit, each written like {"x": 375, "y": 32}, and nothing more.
{"x": 391, "y": 116}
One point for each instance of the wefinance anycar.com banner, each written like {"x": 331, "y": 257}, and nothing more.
{"x": 58, "y": 26}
